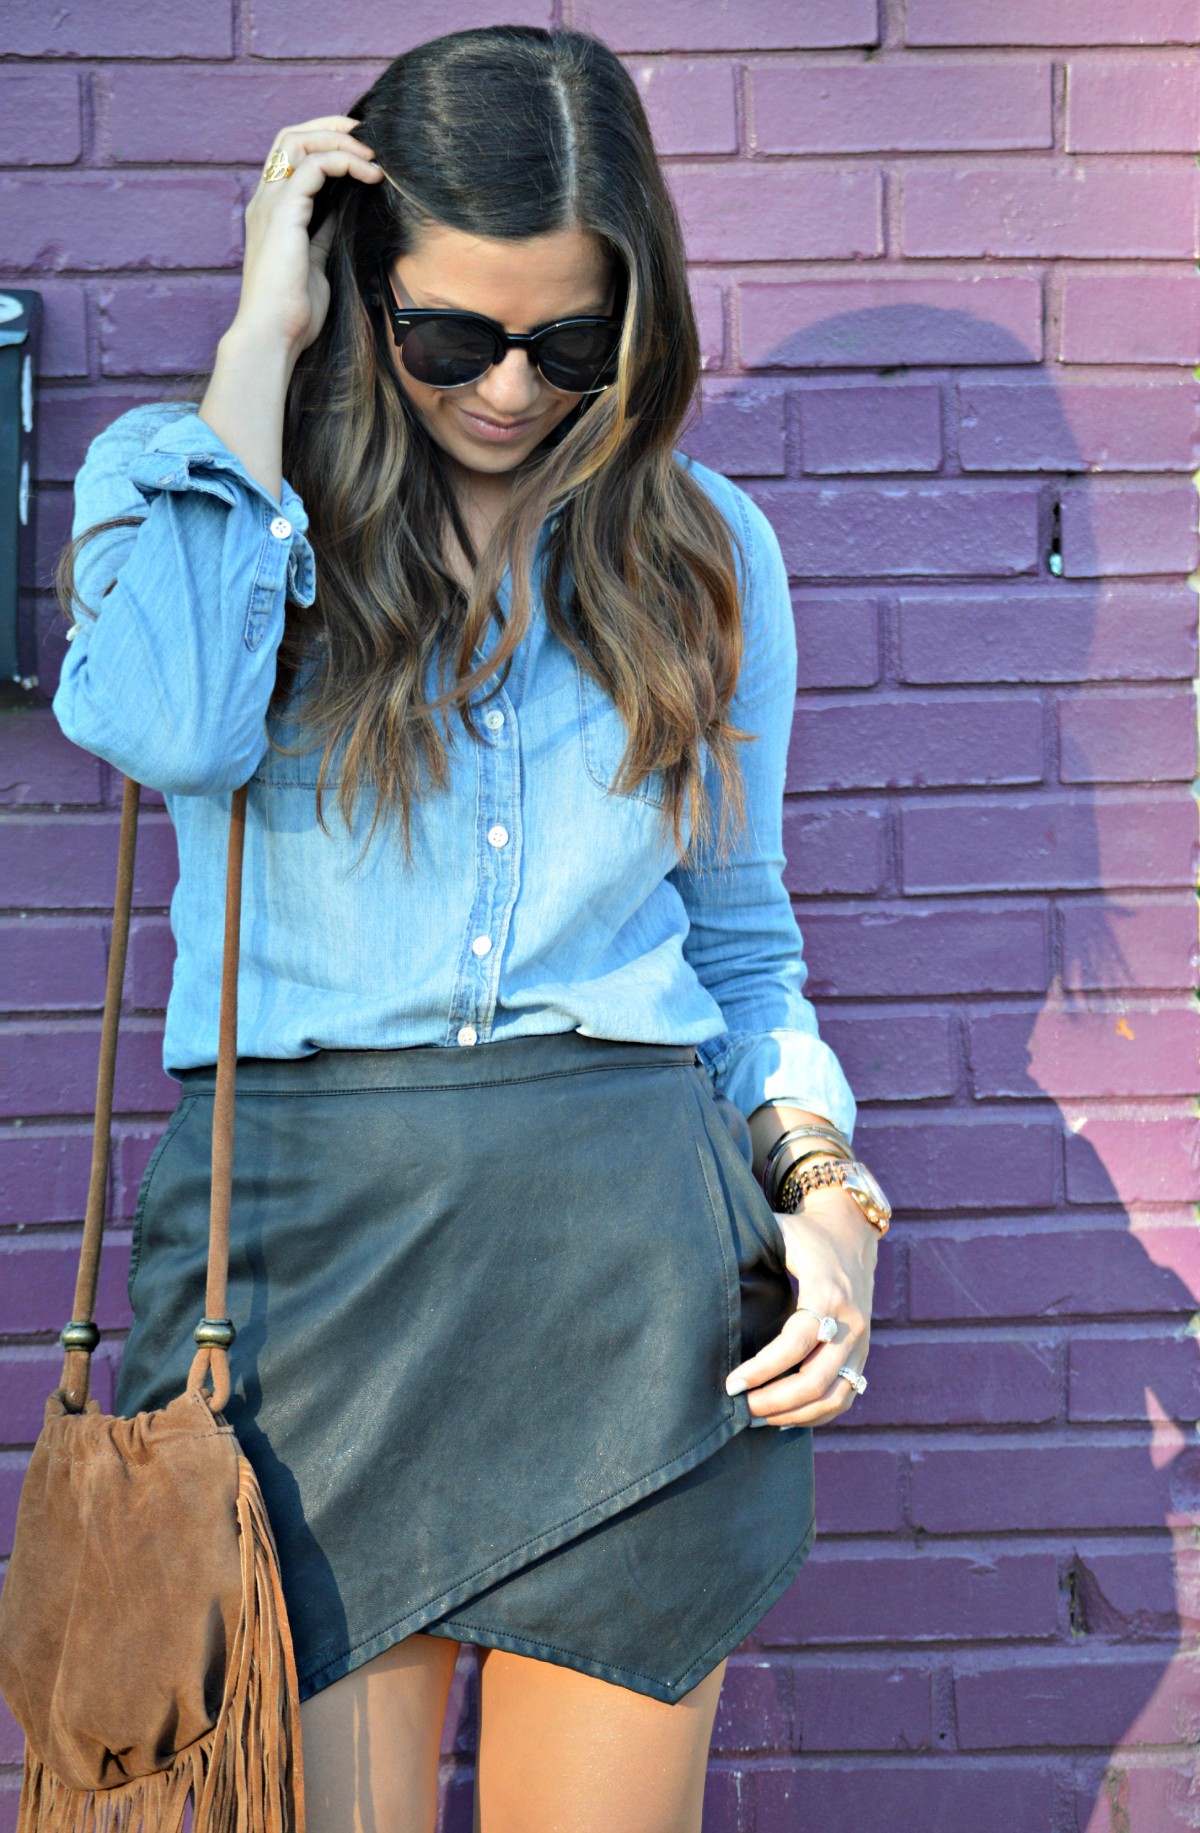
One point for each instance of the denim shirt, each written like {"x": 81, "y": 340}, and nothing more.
{"x": 536, "y": 899}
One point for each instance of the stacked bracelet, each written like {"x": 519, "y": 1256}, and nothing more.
{"x": 825, "y": 1138}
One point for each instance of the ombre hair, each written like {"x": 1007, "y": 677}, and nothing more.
{"x": 508, "y": 132}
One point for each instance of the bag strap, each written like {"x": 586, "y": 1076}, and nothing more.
{"x": 215, "y": 1331}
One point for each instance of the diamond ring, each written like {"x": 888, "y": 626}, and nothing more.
{"x": 827, "y": 1325}
{"x": 857, "y": 1382}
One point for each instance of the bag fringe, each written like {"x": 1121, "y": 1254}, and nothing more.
{"x": 246, "y": 1775}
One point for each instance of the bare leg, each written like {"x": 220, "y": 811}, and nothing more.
{"x": 371, "y": 1741}
{"x": 564, "y": 1753}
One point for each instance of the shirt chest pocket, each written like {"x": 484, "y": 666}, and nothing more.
{"x": 605, "y": 736}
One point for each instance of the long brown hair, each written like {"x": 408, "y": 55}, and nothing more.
{"x": 508, "y": 132}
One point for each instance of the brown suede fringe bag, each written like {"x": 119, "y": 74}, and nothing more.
{"x": 144, "y": 1643}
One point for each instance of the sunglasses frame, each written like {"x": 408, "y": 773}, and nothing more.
{"x": 405, "y": 318}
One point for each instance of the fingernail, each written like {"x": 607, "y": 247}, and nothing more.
{"x": 736, "y": 1384}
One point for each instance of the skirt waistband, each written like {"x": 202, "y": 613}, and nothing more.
{"x": 510, "y": 1059}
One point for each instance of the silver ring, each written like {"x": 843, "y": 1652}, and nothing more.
{"x": 857, "y": 1382}
{"x": 827, "y": 1325}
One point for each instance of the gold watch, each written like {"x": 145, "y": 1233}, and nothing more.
{"x": 822, "y": 1173}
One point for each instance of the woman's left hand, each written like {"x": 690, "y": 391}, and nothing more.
{"x": 831, "y": 1253}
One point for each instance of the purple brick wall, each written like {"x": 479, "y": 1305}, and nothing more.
{"x": 944, "y": 262}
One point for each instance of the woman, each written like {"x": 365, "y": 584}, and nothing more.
{"x": 508, "y": 1295}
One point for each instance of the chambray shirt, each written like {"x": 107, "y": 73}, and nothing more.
{"x": 536, "y": 900}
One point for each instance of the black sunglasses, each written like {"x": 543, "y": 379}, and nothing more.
{"x": 446, "y": 349}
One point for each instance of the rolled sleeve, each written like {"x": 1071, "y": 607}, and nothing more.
{"x": 743, "y": 940}
{"x": 170, "y": 680}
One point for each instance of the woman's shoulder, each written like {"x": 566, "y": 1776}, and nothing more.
{"x": 757, "y": 540}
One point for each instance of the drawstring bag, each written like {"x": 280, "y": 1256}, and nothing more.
{"x": 144, "y": 1642}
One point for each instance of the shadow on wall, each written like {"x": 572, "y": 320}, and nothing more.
{"x": 960, "y": 880}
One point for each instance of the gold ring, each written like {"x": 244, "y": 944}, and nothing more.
{"x": 277, "y": 166}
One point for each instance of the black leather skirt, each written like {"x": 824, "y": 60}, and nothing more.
{"x": 486, "y": 1300}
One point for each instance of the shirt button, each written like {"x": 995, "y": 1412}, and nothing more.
{"x": 494, "y": 719}
{"x": 281, "y": 528}
{"x": 481, "y": 945}
{"x": 468, "y": 1035}
{"x": 497, "y": 836}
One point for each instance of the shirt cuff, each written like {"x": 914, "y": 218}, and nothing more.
{"x": 791, "y": 1067}
{"x": 186, "y": 454}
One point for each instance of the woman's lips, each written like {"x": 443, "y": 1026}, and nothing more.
{"x": 493, "y": 432}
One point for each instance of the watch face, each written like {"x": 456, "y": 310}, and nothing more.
{"x": 876, "y": 1205}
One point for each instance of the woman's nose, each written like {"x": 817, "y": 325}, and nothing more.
{"x": 511, "y": 387}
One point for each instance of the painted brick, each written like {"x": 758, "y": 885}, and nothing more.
{"x": 1136, "y": 944}
{"x": 1127, "y": 1050}
{"x": 97, "y": 28}
{"x": 12, "y": 1741}
{"x": 1068, "y": 22}
{"x": 724, "y": 1790}
{"x": 914, "y": 741}
{"x": 149, "y": 962}
{"x": 64, "y": 329}
{"x": 163, "y": 327}
{"x": 910, "y": 950}
{"x": 713, "y": 25}
{"x": 1138, "y": 1594}
{"x": 43, "y": 1174}
{"x": 829, "y": 847}
{"x": 708, "y": 303}
{"x": 40, "y": 117}
{"x": 28, "y": 1376}
{"x": 1100, "y": 209}
{"x": 858, "y": 1491}
{"x": 1102, "y": 426}
{"x": 53, "y": 1067}
{"x": 103, "y": 220}
{"x": 778, "y": 212}
{"x": 924, "y": 1380}
{"x": 1114, "y": 527}
{"x": 1052, "y": 842}
{"x": 40, "y": 765}
{"x": 1109, "y": 1377}
{"x": 1128, "y": 738}
{"x": 754, "y": 1711}
{"x": 850, "y": 323}
{"x": 895, "y": 1056}
{"x": 1153, "y": 1159}
{"x": 1132, "y": 105}
{"x": 69, "y": 418}
{"x": 902, "y": 106}
{"x": 51, "y": 964}
{"x": 52, "y": 528}
{"x": 227, "y": 116}
{"x": 739, "y": 431}
{"x": 864, "y": 428}
{"x": 1057, "y": 632}
{"x": 39, "y": 1283}
{"x": 837, "y": 637}
{"x": 1038, "y": 1272}
{"x": 1135, "y": 317}
{"x": 946, "y": 1162}
{"x": 690, "y": 104}
{"x": 988, "y": 1799}
{"x": 1122, "y": 1697}
{"x": 894, "y": 528}
{"x": 1102, "y": 1483}
{"x": 70, "y": 861}
{"x": 842, "y": 1594}
{"x": 371, "y": 29}
{"x": 864, "y": 1706}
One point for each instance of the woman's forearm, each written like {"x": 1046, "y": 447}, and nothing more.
{"x": 244, "y": 403}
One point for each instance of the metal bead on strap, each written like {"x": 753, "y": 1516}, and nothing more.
{"x": 215, "y": 1332}
{"x": 80, "y": 1333}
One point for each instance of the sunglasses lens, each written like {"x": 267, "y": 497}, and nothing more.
{"x": 578, "y": 358}
{"x": 446, "y": 352}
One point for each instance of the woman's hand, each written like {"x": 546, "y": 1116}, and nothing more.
{"x": 831, "y": 1253}
{"x": 285, "y": 294}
